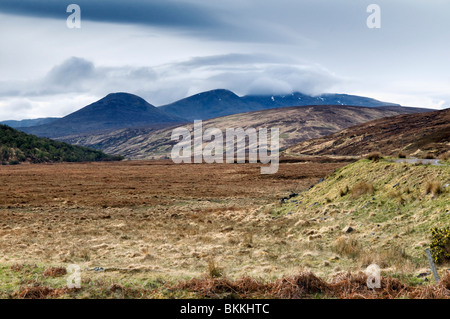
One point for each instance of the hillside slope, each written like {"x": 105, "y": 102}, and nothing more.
{"x": 16, "y": 147}
{"x": 295, "y": 124}
{"x": 412, "y": 134}
{"x": 116, "y": 110}
{"x": 370, "y": 212}
{"x": 217, "y": 103}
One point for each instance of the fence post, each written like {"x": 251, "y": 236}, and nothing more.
{"x": 432, "y": 265}
{"x": 361, "y": 145}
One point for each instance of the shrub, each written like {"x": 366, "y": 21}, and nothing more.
{"x": 362, "y": 188}
{"x": 440, "y": 244}
{"x": 374, "y": 156}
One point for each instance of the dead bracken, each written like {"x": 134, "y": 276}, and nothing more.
{"x": 307, "y": 285}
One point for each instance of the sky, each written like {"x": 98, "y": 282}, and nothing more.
{"x": 165, "y": 50}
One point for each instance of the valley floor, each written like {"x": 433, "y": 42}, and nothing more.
{"x": 139, "y": 228}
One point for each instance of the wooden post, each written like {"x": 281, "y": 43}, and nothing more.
{"x": 432, "y": 265}
{"x": 361, "y": 145}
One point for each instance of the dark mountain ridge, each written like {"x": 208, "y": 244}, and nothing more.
{"x": 115, "y": 111}
{"x": 217, "y": 103}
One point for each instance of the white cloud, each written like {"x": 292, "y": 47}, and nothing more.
{"x": 79, "y": 78}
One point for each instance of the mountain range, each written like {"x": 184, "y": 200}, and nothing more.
{"x": 114, "y": 111}
{"x": 30, "y": 122}
{"x": 296, "y": 124}
{"x": 124, "y": 110}
{"x": 221, "y": 102}
{"x": 126, "y": 124}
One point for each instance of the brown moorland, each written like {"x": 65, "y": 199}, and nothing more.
{"x": 424, "y": 135}
{"x": 153, "y": 229}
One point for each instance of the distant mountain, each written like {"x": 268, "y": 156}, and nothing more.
{"x": 16, "y": 147}
{"x": 412, "y": 134}
{"x": 29, "y": 123}
{"x": 220, "y": 102}
{"x": 295, "y": 124}
{"x": 207, "y": 105}
{"x": 294, "y": 99}
{"x": 115, "y": 111}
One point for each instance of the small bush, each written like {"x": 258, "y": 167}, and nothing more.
{"x": 362, "y": 188}
{"x": 440, "y": 244}
{"x": 434, "y": 187}
{"x": 374, "y": 156}
{"x": 14, "y": 162}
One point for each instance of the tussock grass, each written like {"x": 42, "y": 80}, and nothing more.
{"x": 394, "y": 256}
{"x": 434, "y": 187}
{"x": 374, "y": 156}
{"x": 347, "y": 246}
{"x": 362, "y": 188}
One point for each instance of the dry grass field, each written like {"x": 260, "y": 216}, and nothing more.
{"x": 153, "y": 229}
{"x": 149, "y": 218}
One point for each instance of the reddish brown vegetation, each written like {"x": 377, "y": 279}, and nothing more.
{"x": 55, "y": 272}
{"x": 39, "y": 292}
{"x": 125, "y": 184}
{"x": 307, "y": 285}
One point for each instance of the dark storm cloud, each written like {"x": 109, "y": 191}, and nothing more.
{"x": 217, "y": 20}
{"x": 165, "y": 13}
